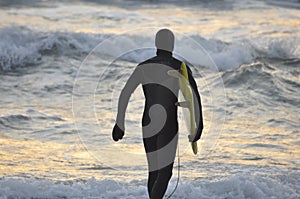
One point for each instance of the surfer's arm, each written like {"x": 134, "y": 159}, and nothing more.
{"x": 197, "y": 106}
{"x": 128, "y": 89}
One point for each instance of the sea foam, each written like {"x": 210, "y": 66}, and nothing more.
{"x": 238, "y": 186}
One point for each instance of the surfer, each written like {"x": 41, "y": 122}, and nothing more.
{"x": 160, "y": 125}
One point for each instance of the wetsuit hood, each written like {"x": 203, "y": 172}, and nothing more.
{"x": 164, "y": 40}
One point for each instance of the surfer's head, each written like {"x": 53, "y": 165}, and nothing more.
{"x": 164, "y": 40}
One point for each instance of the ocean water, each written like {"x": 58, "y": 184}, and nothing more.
{"x": 64, "y": 63}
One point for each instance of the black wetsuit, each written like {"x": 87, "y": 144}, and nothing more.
{"x": 160, "y": 126}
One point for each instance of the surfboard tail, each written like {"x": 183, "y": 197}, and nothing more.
{"x": 195, "y": 147}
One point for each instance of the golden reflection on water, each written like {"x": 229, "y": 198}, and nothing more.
{"x": 43, "y": 159}
{"x": 257, "y": 145}
{"x": 237, "y": 145}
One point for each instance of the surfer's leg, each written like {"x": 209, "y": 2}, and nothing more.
{"x": 150, "y": 145}
{"x": 151, "y": 180}
{"x": 161, "y": 184}
{"x": 167, "y": 145}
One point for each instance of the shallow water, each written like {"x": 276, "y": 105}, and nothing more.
{"x": 59, "y": 102}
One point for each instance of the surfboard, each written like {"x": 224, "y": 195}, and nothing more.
{"x": 187, "y": 93}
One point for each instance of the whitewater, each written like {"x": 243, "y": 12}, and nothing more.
{"x": 64, "y": 63}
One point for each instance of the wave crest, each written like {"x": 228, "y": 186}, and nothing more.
{"x": 23, "y": 47}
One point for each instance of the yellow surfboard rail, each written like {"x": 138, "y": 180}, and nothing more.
{"x": 187, "y": 93}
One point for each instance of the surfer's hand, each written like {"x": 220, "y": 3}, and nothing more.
{"x": 191, "y": 138}
{"x": 195, "y": 138}
{"x": 117, "y": 133}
